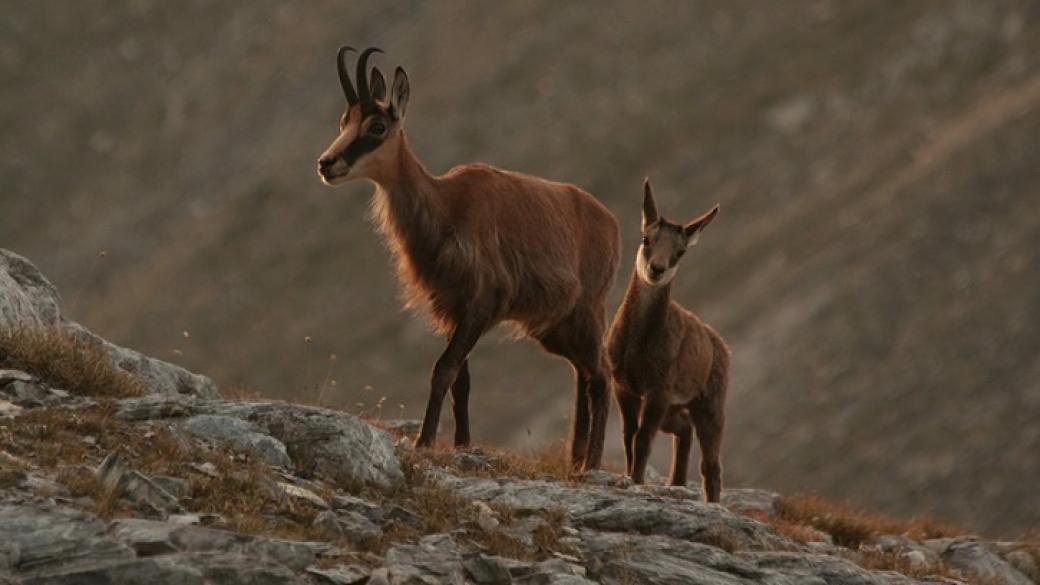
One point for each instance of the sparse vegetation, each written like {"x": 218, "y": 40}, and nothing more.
{"x": 848, "y": 526}
{"x": 65, "y": 362}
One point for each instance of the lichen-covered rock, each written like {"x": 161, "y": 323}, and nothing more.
{"x": 631, "y": 510}
{"x": 28, "y": 299}
{"x": 319, "y": 441}
{"x": 241, "y": 435}
{"x": 969, "y": 554}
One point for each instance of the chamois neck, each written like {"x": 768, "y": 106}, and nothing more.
{"x": 408, "y": 206}
{"x": 646, "y": 305}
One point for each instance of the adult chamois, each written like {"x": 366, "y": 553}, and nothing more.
{"x": 478, "y": 246}
{"x": 670, "y": 369}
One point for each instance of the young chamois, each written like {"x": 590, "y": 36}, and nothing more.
{"x": 670, "y": 369}
{"x": 478, "y": 246}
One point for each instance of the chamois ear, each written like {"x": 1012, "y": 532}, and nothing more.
{"x": 692, "y": 230}
{"x": 399, "y": 94}
{"x": 377, "y": 85}
{"x": 649, "y": 205}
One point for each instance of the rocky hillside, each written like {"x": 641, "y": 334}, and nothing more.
{"x": 110, "y": 475}
{"x": 874, "y": 268}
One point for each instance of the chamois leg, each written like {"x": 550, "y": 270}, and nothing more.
{"x": 654, "y": 409}
{"x": 580, "y": 429}
{"x": 445, "y": 371}
{"x": 709, "y": 421}
{"x": 629, "y": 404}
{"x": 682, "y": 443}
{"x": 599, "y": 405}
{"x": 460, "y": 405}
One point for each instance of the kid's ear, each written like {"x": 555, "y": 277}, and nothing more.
{"x": 377, "y": 84}
{"x": 692, "y": 230}
{"x": 649, "y": 205}
{"x": 399, "y": 94}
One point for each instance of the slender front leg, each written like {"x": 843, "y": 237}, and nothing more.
{"x": 460, "y": 406}
{"x": 445, "y": 372}
{"x": 654, "y": 409}
{"x": 682, "y": 443}
{"x": 629, "y": 404}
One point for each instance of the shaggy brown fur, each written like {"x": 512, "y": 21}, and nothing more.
{"x": 670, "y": 369}
{"x": 478, "y": 246}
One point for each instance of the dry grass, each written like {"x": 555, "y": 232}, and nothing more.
{"x": 850, "y": 527}
{"x": 65, "y": 362}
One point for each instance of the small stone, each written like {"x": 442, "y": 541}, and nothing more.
{"x": 916, "y": 559}
{"x": 206, "y": 468}
{"x": 487, "y": 570}
{"x": 341, "y": 575}
{"x": 487, "y": 519}
{"x": 298, "y": 492}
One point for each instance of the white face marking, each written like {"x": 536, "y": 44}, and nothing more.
{"x": 643, "y": 270}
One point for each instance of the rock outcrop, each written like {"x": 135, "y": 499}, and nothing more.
{"x": 179, "y": 486}
{"x": 28, "y": 299}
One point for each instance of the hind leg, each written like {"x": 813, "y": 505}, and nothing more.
{"x": 460, "y": 405}
{"x": 576, "y": 339}
{"x": 677, "y": 422}
{"x": 709, "y": 421}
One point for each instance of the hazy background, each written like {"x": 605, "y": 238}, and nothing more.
{"x": 874, "y": 268}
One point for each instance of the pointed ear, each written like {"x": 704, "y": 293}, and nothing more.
{"x": 377, "y": 84}
{"x": 399, "y": 94}
{"x": 649, "y": 205}
{"x": 693, "y": 229}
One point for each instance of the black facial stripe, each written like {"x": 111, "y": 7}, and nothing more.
{"x": 361, "y": 146}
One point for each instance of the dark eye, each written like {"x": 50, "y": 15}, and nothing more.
{"x": 376, "y": 127}
{"x": 646, "y": 241}
{"x": 680, "y": 253}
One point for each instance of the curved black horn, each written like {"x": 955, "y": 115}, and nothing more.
{"x": 344, "y": 77}
{"x": 362, "y": 75}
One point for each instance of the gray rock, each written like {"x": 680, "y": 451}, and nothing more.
{"x": 48, "y": 538}
{"x": 434, "y": 559}
{"x": 150, "y": 537}
{"x": 968, "y": 554}
{"x": 625, "y": 510}
{"x": 182, "y": 568}
{"x": 27, "y": 298}
{"x": 622, "y": 558}
{"x": 175, "y": 486}
{"x": 347, "y": 503}
{"x": 820, "y": 568}
{"x": 487, "y": 570}
{"x": 341, "y": 575}
{"x": 240, "y": 435}
{"x": 1025, "y": 563}
{"x": 319, "y": 441}
{"x": 350, "y": 525}
{"x": 136, "y": 487}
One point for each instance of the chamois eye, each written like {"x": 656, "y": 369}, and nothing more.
{"x": 680, "y": 253}
{"x": 646, "y": 241}
{"x": 376, "y": 127}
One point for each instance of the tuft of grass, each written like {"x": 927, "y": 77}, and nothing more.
{"x": 63, "y": 361}
{"x": 549, "y": 463}
{"x": 850, "y": 527}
